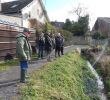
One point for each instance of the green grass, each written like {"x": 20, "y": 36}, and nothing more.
{"x": 62, "y": 79}
{"x": 11, "y": 63}
{"x": 8, "y": 64}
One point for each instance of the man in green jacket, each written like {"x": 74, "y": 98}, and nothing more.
{"x": 23, "y": 52}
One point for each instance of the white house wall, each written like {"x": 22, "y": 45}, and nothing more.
{"x": 11, "y": 19}
{"x": 34, "y": 11}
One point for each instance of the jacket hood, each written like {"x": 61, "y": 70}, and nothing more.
{"x": 20, "y": 35}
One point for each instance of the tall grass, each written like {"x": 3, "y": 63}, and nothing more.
{"x": 58, "y": 80}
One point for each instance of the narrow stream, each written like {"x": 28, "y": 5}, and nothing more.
{"x": 99, "y": 82}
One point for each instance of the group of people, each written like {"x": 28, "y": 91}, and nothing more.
{"x": 46, "y": 42}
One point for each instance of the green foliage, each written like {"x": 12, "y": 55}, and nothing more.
{"x": 30, "y": 93}
{"x": 98, "y": 35}
{"x": 77, "y": 28}
{"x": 59, "y": 80}
{"x": 100, "y": 71}
{"x": 107, "y": 83}
{"x": 68, "y": 25}
{"x": 108, "y": 95}
{"x": 66, "y": 34}
{"x": 11, "y": 63}
{"x": 81, "y": 27}
{"x": 6, "y": 65}
{"x": 108, "y": 50}
{"x": 48, "y": 27}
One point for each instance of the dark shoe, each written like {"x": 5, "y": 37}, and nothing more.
{"x": 22, "y": 81}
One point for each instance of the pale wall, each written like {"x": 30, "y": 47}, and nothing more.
{"x": 11, "y": 19}
{"x": 34, "y": 9}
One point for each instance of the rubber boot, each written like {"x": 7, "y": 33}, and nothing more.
{"x": 23, "y": 75}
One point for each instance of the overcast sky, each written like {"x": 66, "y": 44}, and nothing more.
{"x": 60, "y": 9}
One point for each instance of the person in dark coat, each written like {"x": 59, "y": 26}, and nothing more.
{"x": 53, "y": 41}
{"x": 58, "y": 44}
{"x": 41, "y": 45}
{"x": 62, "y": 46}
{"x": 48, "y": 46}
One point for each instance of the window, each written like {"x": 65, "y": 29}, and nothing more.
{"x": 13, "y": 6}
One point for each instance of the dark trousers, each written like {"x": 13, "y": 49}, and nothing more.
{"x": 40, "y": 53}
{"x": 57, "y": 50}
{"x": 62, "y": 49}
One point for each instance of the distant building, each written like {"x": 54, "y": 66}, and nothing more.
{"x": 24, "y": 12}
{"x": 57, "y": 24}
{"x": 102, "y": 25}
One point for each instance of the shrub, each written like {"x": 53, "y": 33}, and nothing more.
{"x": 67, "y": 35}
{"x": 98, "y": 35}
{"x": 107, "y": 83}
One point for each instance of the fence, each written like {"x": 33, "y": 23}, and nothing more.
{"x": 87, "y": 40}
{"x": 95, "y": 42}
{"x": 77, "y": 40}
{"x": 8, "y": 39}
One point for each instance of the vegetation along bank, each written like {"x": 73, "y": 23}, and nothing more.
{"x": 66, "y": 78}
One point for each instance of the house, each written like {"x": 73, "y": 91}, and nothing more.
{"x": 14, "y": 15}
{"x": 57, "y": 24}
{"x": 24, "y": 12}
{"x": 102, "y": 25}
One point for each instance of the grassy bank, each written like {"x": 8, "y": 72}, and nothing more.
{"x": 4, "y": 66}
{"x": 67, "y": 78}
{"x": 8, "y": 64}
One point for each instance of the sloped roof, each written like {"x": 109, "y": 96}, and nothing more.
{"x": 101, "y": 23}
{"x": 14, "y": 6}
{"x": 106, "y": 19}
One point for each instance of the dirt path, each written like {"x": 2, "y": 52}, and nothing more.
{"x": 9, "y": 80}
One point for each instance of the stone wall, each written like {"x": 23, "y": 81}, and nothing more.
{"x": 77, "y": 40}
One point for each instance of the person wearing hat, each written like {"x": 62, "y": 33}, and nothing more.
{"x": 23, "y": 52}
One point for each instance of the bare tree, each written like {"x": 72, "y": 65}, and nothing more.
{"x": 80, "y": 11}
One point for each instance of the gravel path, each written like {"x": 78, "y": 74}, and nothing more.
{"x": 9, "y": 80}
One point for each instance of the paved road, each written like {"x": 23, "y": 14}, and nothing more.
{"x": 10, "y": 78}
